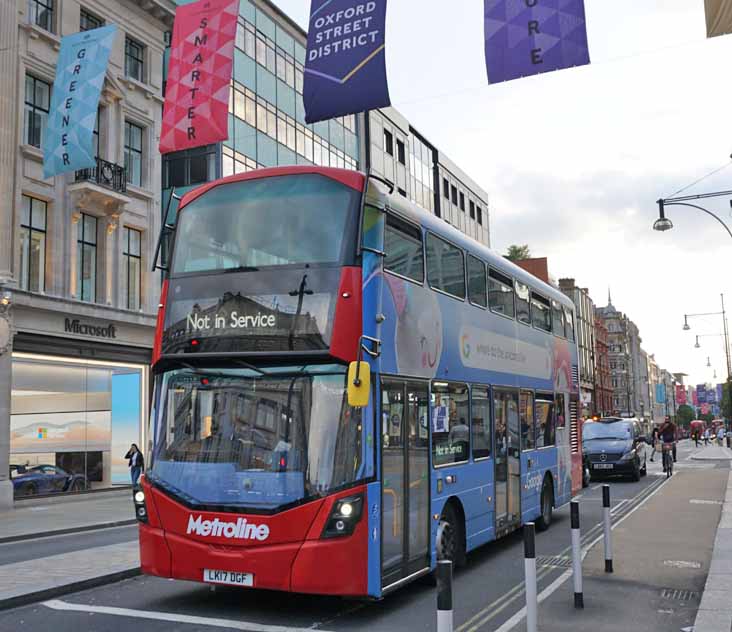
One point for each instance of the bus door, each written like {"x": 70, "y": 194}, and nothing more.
{"x": 507, "y": 460}
{"x": 405, "y": 479}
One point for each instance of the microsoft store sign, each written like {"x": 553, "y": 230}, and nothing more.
{"x": 76, "y": 326}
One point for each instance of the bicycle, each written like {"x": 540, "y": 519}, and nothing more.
{"x": 668, "y": 459}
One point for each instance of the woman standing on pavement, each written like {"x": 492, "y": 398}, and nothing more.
{"x": 136, "y": 462}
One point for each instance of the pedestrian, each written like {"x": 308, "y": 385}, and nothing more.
{"x": 706, "y": 436}
{"x": 720, "y": 436}
{"x": 136, "y": 462}
{"x": 654, "y": 441}
{"x": 696, "y": 438}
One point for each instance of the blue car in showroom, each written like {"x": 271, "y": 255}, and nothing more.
{"x": 44, "y": 479}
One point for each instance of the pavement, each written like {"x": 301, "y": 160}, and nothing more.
{"x": 712, "y": 453}
{"x": 38, "y": 527}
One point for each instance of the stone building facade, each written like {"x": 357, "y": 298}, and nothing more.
{"x": 76, "y": 249}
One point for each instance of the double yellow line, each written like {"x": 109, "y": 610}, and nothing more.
{"x": 491, "y": 611}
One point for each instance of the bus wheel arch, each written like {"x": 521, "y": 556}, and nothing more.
{"x": 546, "y": 503}
{"x": 450, "y": 541}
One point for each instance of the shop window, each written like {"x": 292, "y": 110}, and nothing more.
{"x": 450, "y": 429}
{"x": 33, "y": 219}
{"x": 481, "y": 422}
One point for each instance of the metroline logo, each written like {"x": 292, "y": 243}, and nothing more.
{"x": 239, "y": 529}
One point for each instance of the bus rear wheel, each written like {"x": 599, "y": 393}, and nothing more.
{"x": 450, "y": 543}
{"x": 547, "y": 505}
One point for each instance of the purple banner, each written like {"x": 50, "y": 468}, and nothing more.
{"x": 345, "y": 67}
{"x": 529, "y": 37}
{"x": 701, "y": 393}
{"x": 720, "y": 393}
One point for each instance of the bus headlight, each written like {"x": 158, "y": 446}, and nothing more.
{"x": 138, "y": 498}
{"x": 344, "y": 517}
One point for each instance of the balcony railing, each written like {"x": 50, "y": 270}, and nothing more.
{"x": 106, "y": 174}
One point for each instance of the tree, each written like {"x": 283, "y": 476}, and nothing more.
{"x": 726, "y": 403}
{"x": 684, "y": 415}
{"x": 518, "y": 253}
{"x": 708, "y": 417}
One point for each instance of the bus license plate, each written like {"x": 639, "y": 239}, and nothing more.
{"x": 232, "y": 578}
{"x": 604, "y": 466}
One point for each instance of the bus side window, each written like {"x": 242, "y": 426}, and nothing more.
{"x": 526, "y": 408}
{"x": 403, "y": 248}
{"x": 481, "y": 428}
{"x": 544, "y": 420}
{"x": 450, "y": 423}
{"x": 500, "y": 294}
{"x": 445, "y": 267}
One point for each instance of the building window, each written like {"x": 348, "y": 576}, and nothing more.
{"x": 37, "y": 103}
{"x": 388, "y": 143}
{"x": 472, "y": 209}
{"x": 454, "y": 192}
{"x": 462, "y": 201}
{"x": 133, "y": 153}
{"x": 479, "y": 212}
{"x": 33, "y": 244}
{"x": 446, "y": 188}
{"x": 86, "y": 257}
{"x": 401, "y": 153}
{"x": 40, "y": 13}
{"x": 134, "y": 59}
{"x": 132, "y": 261}
{"x": 89, "y": 21}
{"x": 192, "y": 166}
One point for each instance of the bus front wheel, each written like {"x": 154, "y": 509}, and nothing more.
{"x": 450, "y": 544}
{"x": 547, "y": 505}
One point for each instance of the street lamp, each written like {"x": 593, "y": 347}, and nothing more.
{"x": 663, "y": 224}
{"x": 709, "y": 363}
{"x": 686, "y": 324}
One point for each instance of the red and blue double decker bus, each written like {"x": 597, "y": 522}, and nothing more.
{"x": 346, "y": 389}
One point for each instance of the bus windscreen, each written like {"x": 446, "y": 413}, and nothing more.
{"x": 275, "y": 221}
{"x": 255, "y": 439}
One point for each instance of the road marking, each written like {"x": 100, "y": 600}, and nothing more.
{"x": 500, "y": 604}
{"x": 681, "y": 564}
{"x": 57, "y": 604}
{"x": 700, "y": 501}
{"x": 554, "y": 586}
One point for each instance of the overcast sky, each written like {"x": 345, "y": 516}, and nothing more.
{"x": 573, "y": 161}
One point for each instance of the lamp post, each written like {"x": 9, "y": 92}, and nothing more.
{"x": 725, "y": 335}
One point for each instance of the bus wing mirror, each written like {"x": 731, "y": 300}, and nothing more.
{"x": 359, "y": 384}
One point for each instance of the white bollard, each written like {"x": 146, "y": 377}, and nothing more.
{"x": 444, "y": 596}
{"x": 579, "y": 600}
{"x": 608, "y": 529}
{"x": 532, "y": 603}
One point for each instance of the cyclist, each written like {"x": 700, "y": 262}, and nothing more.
{"x": 667, "y": 433}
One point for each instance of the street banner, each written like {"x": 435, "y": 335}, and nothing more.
{"x": 712, "y": 394}
{"x": 68, "y": 141}
{"x": 660, "y": 393}
{"x": 701, "y": 393}
{"x": 345, "y": 67}
{"x": 529, "y": 37}
{"x": 720, "y": 393}
{"x": 719, "y": 17}
{"x": 680, "y": 395}
{"x": 694, "y": 397}
{"x": 705, "y": 409}
{"x": 196, "y": 106}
